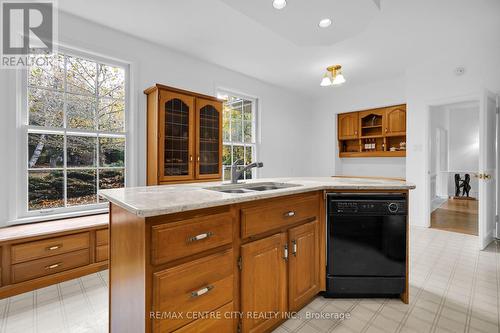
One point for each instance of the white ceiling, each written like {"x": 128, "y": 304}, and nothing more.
{"x": 287, "y": 48}
{"x": 298, "y": 21}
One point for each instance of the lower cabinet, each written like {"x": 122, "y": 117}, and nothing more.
{"x": 279, "y": 273}
{"x": 67, "y": 249}
{"x": 303, "y": 266}
{"x": 233, "y": 269}
{"x": 218, "y": 321}
{"x": 263, "y": 282}
{"x": 199, "y": 286}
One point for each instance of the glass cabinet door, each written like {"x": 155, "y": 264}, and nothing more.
{"x": 176, "y": 136}
{"x": 209, "y": 140}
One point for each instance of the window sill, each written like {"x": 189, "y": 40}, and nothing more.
{"x": 59, "y": 216}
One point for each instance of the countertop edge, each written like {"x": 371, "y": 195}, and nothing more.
{"x": 242, "y": 199}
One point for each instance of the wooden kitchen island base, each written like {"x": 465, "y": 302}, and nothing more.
{"x": 212, "y": 270}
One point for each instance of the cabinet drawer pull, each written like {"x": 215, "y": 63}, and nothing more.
{"x": 289, "y": 214}
{"x": 201, "y": 292}
{"x": 294, "y": 247}
{"x": 53, "y": 266}
{"x": 200, "y": 237}
{"x": 54, "y": 247}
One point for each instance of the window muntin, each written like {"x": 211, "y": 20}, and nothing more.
{"x": 239, "y": 134}
{"x": 76, "y": 138}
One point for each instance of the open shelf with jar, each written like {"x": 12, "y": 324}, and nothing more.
{"x": 377, "y": 132}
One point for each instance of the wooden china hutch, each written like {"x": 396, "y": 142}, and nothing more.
{"x": 184, "y": 136}
{"x": 377, "y": 132}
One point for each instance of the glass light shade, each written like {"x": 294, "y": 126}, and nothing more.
{"x": 339, "y": 79}
{"x": 279, "y": 4}
{"x": 326, "y": 81}
{"x": 325, "y": 23}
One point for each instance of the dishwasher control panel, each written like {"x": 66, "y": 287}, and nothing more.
{"x": 379, "y": 205}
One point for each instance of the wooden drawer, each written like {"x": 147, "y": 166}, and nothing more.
{"x": 279, "y": 213}
{"x": 201, "y": 285}
{"x": 101, "y": 237}
{"x": 180, "y": 239}
{"x": 101, "y": 253}
{"x": 214, "y": 322}
{"x": 46, "y": 266}
{"x": 49, "y": 247}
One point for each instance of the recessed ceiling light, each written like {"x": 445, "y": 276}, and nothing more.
{"x": 325, "y": 23}
{"x": 279, "y": 4}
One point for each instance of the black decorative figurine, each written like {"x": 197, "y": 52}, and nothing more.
{"x": 466, "y": 185}
{"x": 463, "y": 184}
{"x": 457, "y": 185}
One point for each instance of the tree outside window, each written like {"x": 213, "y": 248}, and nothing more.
{"x": 239, "y": 134}
{"x": 76, "y": 132}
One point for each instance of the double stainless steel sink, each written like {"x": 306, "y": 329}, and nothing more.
{"x": 251, "y": 187}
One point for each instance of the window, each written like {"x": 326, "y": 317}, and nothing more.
{"x": 239, "y": 133}
{"x": 76, "y": 138}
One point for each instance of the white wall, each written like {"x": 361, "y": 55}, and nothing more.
{"x": 439, "y": 121}
{"x": 353, "y": 98}
{"x": 464, "y": 138}
{"x": 284, "y": 116}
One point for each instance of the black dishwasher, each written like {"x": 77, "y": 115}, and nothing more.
{"x": 366, "y": 244}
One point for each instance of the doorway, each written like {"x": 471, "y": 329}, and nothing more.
{"x": 454, "y": 167}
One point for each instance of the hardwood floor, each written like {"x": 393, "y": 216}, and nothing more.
{"x": 457, "y": 216}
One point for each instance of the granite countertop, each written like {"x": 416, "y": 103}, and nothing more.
{"x": 150, "y": 201}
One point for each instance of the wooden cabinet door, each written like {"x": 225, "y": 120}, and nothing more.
{"x": 303, "y": 280}
{"x": 263, "y": 282}
{"x": 395, "y": 120}
{"x": 208, "y": 139}
{"x": 348, "y": 126}
{"x": 176, "y": 139}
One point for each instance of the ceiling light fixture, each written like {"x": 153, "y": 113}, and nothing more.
{"x": 325, "y": 23}
{"x": 279, "y": 4}
{"x": 333, "y": 76}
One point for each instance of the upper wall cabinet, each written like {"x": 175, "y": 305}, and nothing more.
{"x": 395, "y": 120}
{"x": 377, "y": 132}
{"x": 348, "y": 125}
{"x": 183, "y": 136}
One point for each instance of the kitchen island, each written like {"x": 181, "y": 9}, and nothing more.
{"x": 212, "y": 257}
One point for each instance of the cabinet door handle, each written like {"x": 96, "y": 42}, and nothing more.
{"x": 289, "y": 214}
{"x": 54, "y": 247}
{"x": 294, "y": 248}
{"x": 285, "y": 252}
{"x": 190, "y": 158}
{"x": 386, "y": 130}
{"x": 200, "y": 237}
{"x": 201, "y": 292}
{"x": 53, "y": 266}
{"x": 198, "y": 158}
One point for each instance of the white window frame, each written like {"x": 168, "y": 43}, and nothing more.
{"x": 223, "y": 92}
{"x": 24, "y": 215}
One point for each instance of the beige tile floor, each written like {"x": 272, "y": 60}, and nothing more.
{"x": 454, "y": 288}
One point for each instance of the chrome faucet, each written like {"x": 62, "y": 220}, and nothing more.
{"x": 235, "y": 174}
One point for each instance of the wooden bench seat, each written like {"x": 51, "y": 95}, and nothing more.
{"x": 40, "y": 254}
